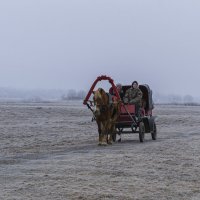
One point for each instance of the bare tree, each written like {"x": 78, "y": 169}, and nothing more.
{"x": 81, "y": 94}
{"x": 71, "y": 94}
{"x": 188, "y": 99}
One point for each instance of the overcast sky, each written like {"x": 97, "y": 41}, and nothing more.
{"x": 66, "y": 44}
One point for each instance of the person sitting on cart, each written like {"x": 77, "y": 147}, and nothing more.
{"x": 133, "y": 96}
{"x": 120, "y": 91}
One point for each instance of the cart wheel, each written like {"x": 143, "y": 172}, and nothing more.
{"x": 154, "y": 132}
{"x": 141, "y": 131}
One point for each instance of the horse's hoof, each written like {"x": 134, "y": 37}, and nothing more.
{"x": 104, "y": 144}
{"x": 109, "y": 143}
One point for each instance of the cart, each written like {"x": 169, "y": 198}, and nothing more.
{"x": 128, "y": 121}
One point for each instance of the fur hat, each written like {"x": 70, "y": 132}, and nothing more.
{"x": 118, "y": 85}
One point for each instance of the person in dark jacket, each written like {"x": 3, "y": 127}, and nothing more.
{"x": 133, "y": 96}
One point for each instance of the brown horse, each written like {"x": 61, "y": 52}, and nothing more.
{"x": 106, "y": 114}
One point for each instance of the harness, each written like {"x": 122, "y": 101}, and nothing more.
{"x": 103, "y": 108}
{"x": 110, "y": 98}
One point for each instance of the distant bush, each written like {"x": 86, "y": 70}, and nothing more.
{"x": 74, "y": 95}
{"x": 192, "y": 104}
{"x": 179, "y": 104}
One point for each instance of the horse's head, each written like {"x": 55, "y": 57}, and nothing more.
{"x": 101, "y": 101}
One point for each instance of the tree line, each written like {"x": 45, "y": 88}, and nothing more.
{"x": 74, "y": 95}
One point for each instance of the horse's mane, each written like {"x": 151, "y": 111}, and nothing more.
{"x": 101, "y": 94}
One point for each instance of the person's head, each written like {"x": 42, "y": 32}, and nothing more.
{"x": 135, "y": 84}
{"x": 119, "y": 87}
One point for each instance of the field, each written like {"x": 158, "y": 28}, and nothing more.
{"x": 49, "y": 152}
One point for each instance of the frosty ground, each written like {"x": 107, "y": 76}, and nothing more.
{"x": 49, "y": 151}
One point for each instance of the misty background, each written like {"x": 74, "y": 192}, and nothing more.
{"x": 55, "y": 49}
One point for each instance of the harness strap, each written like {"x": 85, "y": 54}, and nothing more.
{"x": 110, "y": 98}
{"x": 89, "y": 107}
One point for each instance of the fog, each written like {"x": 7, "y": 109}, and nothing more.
{"x": 66, "y": 44}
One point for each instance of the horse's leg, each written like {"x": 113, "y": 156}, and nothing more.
{"x": 113, "y": 134}
{"x": 104, "y": 140}
{"x": 100, "y": 132}
{"x": 110, "y": 127}
{"x": 104, "y": 134}
{"x": 110, "y": 131}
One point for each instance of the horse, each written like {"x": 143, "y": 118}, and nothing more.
{"x": 106, "y": 114}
